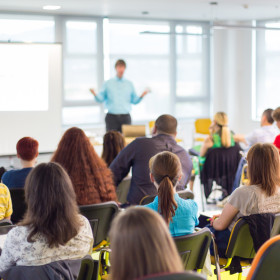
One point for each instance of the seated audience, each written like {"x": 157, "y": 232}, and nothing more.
{"x": 113, "y": 143}
{"x": 141, "y": 245}
{"x": 277, "y": 142}
{"x": 276, "y": 116}
{"x": 91, "y": 178}
{"x": 138, "y": 153}
{"x": 6, "y": 208}
{"x": 265, "y": 134}
{"x": 52, "y": 228}
{"x": 220, "y": 134}
{"x": 2, "y": 171}
{"x": 262, "y": 195}
{"x": 27, "y": 152}
{"x": 178, "y": 213}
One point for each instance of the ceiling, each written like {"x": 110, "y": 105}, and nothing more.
{"x": 158, "y": 9}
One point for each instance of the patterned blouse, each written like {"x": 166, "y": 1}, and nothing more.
{"x": 18, "y": 251}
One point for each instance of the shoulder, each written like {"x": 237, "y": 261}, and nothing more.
{"x": 153, "y": 205}
{"x": 242, "y": 194}
{"x": 18, "y": 233}
{"x": 6, "y": 175}
{"x": 85, "y": 225}
{"x": 3, "y": 188}
{"x": 186, "y": 202}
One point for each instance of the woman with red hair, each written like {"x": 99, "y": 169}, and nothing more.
{"x": 27, "y": 152}
{"x": 92, "y": 180}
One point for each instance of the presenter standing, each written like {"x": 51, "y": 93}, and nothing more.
{"x": 118, "y": 95}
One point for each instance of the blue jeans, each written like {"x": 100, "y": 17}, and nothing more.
{"x": 238, "y": 174}
{"x": 221, "y": 239}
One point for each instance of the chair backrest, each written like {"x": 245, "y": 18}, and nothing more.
{"x": 175, "y": 276}
{"x": 266, "y": 262}
{"x": 5, "y": 229}
{"x": 276, "y": 226}
{"x": 202, "y": 126}
{"x": 88, "y": 269}
{"x": 186, "y": 194}
{"x": 100, "y": 217}
{"x": 19, "y": 205}
{"x": 123, "y": 189}
{"x": 147, "y": 199}
{"x": 193, "y": 248}
{"x": 240, "y": 243}
{"x": 133, "y": 130}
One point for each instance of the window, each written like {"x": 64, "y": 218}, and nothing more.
{"x": 147, "y": 58}
{"x": 80, "y": 72}
{"x": 267, "y": 69}
{"x": 15, "y": 28}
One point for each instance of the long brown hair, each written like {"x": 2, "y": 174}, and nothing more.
{"x": 92, "y": 180}
{"x": 51, "y": 205}
{"x": 264, "y": 167}
{"x": 166, "y": 170}
{"x": 113, "y": 143}
{"x": 221, "y": 120}
{"x": 141, "y": 245}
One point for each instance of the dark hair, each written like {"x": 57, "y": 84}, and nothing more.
{"x": 264, "y": 167}
{"x": 120, "y": 62}
{"x": 166, "y": 169}
{"x": 276, "y": 114}
{"x": 144, "y": 233}
{"x": 51, "y": 205}
{"x": 268, "y": 114}
{"x": 27, "y": 148}
{"x": 113, "y": 143}
{"x": 166, "y": 124}
{"x": 91, "y": 178}
{"x": 2, "y": 171}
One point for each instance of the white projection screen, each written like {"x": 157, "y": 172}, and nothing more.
{"x": 30, "y": 95}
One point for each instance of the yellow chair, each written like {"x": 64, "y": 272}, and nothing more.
{"x": 202, "y": 129}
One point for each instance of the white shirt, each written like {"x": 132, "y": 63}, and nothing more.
{"x": 264, "y": 134}
{"x": 18, "y": 251}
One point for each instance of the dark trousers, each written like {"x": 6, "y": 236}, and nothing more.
{"x": 115, "y": 122}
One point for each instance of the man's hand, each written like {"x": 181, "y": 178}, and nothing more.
{"x": 92, "y": 91}
{"x": 145, "y": 93}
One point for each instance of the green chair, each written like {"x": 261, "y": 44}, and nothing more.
{"x": 266, "y": 262}
{"x": 175, "y": 276}
{"x": 193, "y": 248}
{"x": 123, "y": 189}
{"x": 276, "y": 226}
{"x": 100, "y": 217}
{"x": 147, "y": 199}
{"x": 89, "y": 269}
{"x": 240, "y": 249}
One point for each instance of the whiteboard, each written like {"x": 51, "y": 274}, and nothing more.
{"x": 30, "y": 95}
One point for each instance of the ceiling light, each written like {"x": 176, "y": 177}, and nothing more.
{"x": 51, "y": 7}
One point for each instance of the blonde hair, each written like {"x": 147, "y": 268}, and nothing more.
{"x": 264, "y": 167}
{"x": 141, "y": 245}
{"x": 166, "y": 169}
{"x": 221, "y": 120}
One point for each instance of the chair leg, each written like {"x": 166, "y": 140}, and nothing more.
{"x": 217, "y": 264}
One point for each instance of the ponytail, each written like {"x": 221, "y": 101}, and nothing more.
{"x": 167, "y": 204}
{"x": 225, "y": 137}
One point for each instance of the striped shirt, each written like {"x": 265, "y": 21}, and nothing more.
{"x": 6, "y": 208}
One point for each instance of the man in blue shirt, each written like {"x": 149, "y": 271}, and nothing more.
{"x": 118, "y": 95}
{"x": 137, "y": 154}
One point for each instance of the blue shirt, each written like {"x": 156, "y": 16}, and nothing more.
{"x": 15, "y": 178}
{"x": 137, "y": 154}
{"x": 185, "y": 218}
{"x": 118, "y": 95}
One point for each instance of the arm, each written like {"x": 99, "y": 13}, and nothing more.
{"x": 207, "y": 144}
{"x": 8, "y": 204}
{"x": 102, "y": 95}
{"x": 239, "y": 138}
{"x": 224, "y": 220}
{"x": 135, "y": 99}
{"x": 123, "y": 162}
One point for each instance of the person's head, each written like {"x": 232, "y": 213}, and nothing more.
{"x": 27, "y": 149}
{"x": 88, "y": 172}
{"x": 120, "y": 67}
{"x": 276, "y": 116}
{"x": 264, "y": 167}
{"x": 267, "y": 118}
{"x": 165, "y": 124}
{"x": 52, "y": 210}
{"x": 166, "y": 172}
{"x": 141, "y": 245}
{"x": 113, "y": 143}
{"x": 220, "y": 125}
{"x": 277, "y": 142}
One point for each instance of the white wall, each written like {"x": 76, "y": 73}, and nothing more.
{"x": 232, "y": 76}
